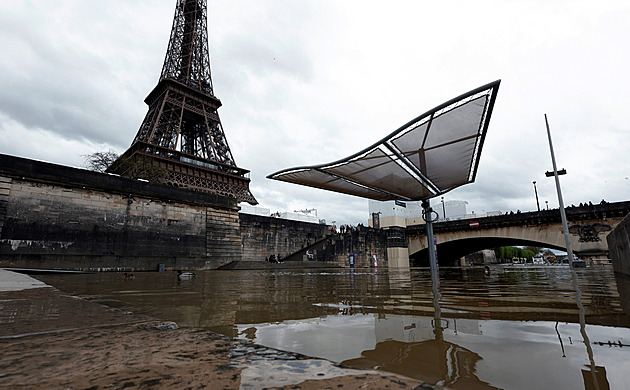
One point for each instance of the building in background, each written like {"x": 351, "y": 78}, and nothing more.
{"x": 393, "y": 213}
{"x": 309, "y": 215}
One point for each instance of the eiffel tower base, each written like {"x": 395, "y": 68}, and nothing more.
{"x": 164, "y": 166}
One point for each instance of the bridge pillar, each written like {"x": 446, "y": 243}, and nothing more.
{"x": 397, "y": 250}
{"x": 398, "y": 257}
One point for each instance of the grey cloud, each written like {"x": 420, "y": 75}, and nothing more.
{"x": 82, "y": 69}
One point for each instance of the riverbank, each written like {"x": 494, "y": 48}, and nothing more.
{"x": 51, "y": 340}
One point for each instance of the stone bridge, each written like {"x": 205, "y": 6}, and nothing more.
{"x": 588, "y": 227}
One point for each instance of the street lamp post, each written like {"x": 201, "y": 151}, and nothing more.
{"x": 536, "y": 192}
{"x": 547, "y": 204}
{"x": 443, "y": 210}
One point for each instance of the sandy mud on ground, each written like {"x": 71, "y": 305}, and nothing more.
{"x": 50, "y": 340}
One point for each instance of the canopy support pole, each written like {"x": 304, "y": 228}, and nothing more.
{"x": 435, "y": 272}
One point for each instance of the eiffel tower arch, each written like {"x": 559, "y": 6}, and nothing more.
{"x": 181, "y": 137}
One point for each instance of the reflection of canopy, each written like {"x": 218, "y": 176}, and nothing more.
{"x": 433, "y": 154}
{"x": 430, "y": 361}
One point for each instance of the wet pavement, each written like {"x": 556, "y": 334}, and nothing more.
{"x": 51, "y": 339}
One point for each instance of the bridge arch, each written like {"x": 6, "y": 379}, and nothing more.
{"x": 450, "y": 252}
{"x": 588, "y": 226}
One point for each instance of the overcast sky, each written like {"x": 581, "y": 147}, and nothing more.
{"x": 309, "y": 82}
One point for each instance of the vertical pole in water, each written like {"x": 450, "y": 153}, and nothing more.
{"x": 435, "y": 276}
{"x": 576, "y": 287}
{"x": 563, "y": 215}
{"x": 435, "y": 272}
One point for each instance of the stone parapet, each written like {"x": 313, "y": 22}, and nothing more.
{"x": 39, "y": 171}
{"x": 66, "y": 218}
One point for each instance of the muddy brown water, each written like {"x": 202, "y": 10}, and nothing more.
{"x": 517, "y": 328}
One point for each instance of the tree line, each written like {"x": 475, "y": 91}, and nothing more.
{"x": 510, "y": 252}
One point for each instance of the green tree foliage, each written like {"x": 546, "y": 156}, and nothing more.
{"x": 507, "y": 253}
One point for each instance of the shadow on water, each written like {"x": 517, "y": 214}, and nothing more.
{"x": 515, "y": 328}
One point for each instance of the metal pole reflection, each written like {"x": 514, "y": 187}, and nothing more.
{"x": 437, "y": 313}
{"x": 560, "y": 338}
{"x": 582, "y": 315}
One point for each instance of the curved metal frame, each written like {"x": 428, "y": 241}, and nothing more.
{"x": 492, "y": 89}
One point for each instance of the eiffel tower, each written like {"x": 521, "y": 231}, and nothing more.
{"x": 181, "y": 136}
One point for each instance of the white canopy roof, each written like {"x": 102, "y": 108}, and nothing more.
{"x": 432, "y": 154}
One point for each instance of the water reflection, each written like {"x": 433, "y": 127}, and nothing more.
{"x": 594, "y": 377}
{"x": 431, "y": 360}
{"x": 510, "y": 329}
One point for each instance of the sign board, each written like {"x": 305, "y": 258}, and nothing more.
{"x": 376, "y": 222}
{"x": 401, "y": 204}
{"x": 474, "y": 224}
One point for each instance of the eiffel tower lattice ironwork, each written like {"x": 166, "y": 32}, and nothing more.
{"x": 181, "y": 135}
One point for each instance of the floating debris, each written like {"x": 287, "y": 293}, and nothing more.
{"x": 170, "y": 325}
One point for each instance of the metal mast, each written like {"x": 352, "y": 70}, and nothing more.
{"x": 182, "y": 134}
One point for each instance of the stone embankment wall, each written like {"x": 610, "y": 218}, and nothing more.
{"x": 363, "y": 243}
{"x": 619, "y": 246}
{"x": 59, "y": 217}
{"x": 262, "y": 236}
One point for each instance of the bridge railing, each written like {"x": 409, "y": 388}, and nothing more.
{"x": 574, "y": 214}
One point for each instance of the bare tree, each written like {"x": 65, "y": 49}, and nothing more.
{"x": 134, "y": 168}
{"x": 99, "y": 161}
{"x": 141, "y": 169}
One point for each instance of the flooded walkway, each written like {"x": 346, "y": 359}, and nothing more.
{"x": 516, "y": 328}
{"x": 53, "y": 340}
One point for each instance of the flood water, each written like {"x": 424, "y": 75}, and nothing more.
{"x": 517, "y": 328}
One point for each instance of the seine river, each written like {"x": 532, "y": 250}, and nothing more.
{"x": 517, "y": 328}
